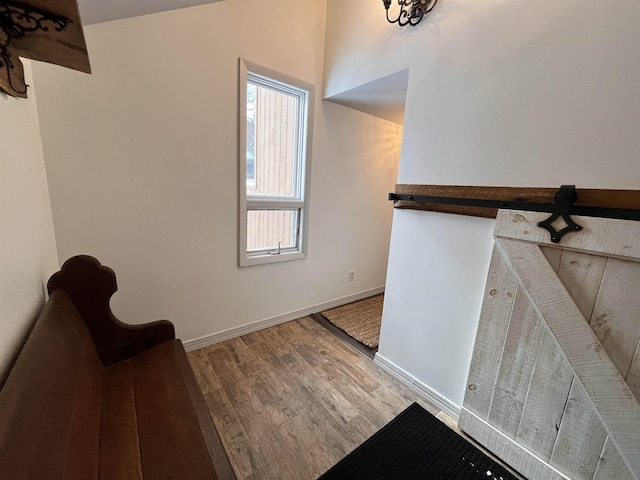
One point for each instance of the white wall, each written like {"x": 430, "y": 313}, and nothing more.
{"x": 142, "y": 167}
{"x": 506, "y": 93}
{"x": 27, "y": 244}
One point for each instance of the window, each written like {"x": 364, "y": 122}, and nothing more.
{"x": 276, "y": 121}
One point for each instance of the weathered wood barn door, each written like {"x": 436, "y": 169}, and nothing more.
{"x": 554, "y": 381}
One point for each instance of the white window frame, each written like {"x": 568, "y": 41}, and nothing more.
{"x": 249, "y": 70}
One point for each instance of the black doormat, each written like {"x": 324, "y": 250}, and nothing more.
{"x": 416, "y": 445}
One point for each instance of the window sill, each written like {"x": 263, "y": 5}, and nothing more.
{"x": 249, "y": 261}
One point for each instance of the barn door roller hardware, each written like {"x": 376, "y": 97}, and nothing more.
{"x": 563, "y": 208}
{"x": 564, "y": 198}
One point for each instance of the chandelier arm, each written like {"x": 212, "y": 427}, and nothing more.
{"x": 404, "y": 17}
{"x": 388, "y": 19}
{"x": 416, "y": 20}
{"x": 431, "y": 6}
{"x": 411, "y": 11}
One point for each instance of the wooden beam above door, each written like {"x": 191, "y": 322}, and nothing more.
{"x": 626, "y": 199}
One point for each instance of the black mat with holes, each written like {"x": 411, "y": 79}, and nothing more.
{"x": 416, "y": 445}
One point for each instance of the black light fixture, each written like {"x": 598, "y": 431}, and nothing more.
{"x": 39, "y": 30}
{"x": 17, "y": 20}
{"x": 411, "y": 11}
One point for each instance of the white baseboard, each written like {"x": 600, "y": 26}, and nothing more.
{"x": 427, "y": 392}
{"x": 200, "y": 342}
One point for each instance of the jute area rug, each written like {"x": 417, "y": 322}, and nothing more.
{"x": 360, "y": 320}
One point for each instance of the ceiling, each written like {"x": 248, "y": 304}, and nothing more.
{"x": 98, "y": 11}
{"x": 384, "y": 98}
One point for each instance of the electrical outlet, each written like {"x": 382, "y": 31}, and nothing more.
{"x": 352, "y": 275}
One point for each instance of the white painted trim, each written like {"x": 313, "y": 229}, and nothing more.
{"x": 307, "y": 92}
{"x": 217, "y": 337}
{"x": 427, "y": 392}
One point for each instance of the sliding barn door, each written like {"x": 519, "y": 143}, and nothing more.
{"x": 554, "y": 382}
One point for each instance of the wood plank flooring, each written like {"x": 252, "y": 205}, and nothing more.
{"x": 292, "y": 400}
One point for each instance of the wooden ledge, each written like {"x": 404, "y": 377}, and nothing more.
{"x": 628, "y": 199}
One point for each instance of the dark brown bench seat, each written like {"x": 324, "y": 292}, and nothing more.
{"x": 75, "y": 408}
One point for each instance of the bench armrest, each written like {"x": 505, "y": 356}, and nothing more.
{"x": 89, "y": 286}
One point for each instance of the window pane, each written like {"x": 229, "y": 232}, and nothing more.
{"x": 251, "y": 135}
{"x": 272, "y": 141}
{"x": 265, "y": 228}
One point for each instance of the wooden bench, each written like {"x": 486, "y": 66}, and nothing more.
{"x": 90, "y": 397}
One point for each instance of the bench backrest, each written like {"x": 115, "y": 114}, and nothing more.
{"x": 50, "y": 404}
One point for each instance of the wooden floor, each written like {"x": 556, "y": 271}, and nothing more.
{"x": 292, "y": 400}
